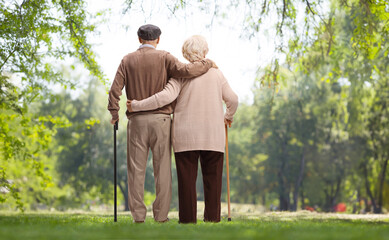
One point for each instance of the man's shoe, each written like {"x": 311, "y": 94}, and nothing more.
{"x": 164, "y": 221}
{"x": 138, "y": 221}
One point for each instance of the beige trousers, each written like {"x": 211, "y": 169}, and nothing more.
{"x": 144, "y": 132}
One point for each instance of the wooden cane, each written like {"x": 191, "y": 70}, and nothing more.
{"x": 115, "y": 128}
{"x": 228, "y": 177}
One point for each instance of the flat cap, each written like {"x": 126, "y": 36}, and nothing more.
{"x": 149, "y": 32}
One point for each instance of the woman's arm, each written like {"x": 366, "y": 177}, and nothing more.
{"x": 230, "y": 98}
{"x": 160, "y": 99}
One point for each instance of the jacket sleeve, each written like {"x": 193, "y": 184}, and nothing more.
{"x": 160, "y": 99}
{"x": 116, "y": 91}
{"x": 229, "y": 97}
{"x": 177, "y": 69}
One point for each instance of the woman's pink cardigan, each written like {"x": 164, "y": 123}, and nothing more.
{"x": 198, "y": 121}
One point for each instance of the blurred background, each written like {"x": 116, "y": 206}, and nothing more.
{"x": 311, "y": 131}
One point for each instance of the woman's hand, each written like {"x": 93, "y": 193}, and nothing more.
{"x": 227, "y": 122}
{"x": 129, "y": 108}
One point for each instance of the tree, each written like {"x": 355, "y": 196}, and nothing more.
{"x": 357, "y": 57}
{"x": 295, "y": 24}
{"x": 316, "y": 98}
{"x": 34, "y": 37}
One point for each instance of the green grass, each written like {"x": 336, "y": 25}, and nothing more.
{"x": 265, "y": 226}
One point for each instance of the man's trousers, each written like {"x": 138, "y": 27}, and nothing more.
{"x": 144, "y": 132}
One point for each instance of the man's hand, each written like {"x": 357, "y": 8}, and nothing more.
{"x": 213, "y": 64}
{"x": 129, "y": 108}
{"x": 113, "y": 121}
{"x": 227, "y": 122}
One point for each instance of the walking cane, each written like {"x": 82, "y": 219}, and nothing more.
{"x": 115, "y": 128}
{"x": 228, "y": 177}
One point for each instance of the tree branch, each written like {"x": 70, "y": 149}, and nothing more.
{"x": 309, "y": 7}
{"x": 8, "y": 58}
{"x": 283, "y": 16}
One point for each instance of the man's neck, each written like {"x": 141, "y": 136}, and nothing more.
{"x": 147, "y": 45}
{"x": 152, "y": 43}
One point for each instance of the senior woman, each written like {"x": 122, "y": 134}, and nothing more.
{"x": 197, "y": 131}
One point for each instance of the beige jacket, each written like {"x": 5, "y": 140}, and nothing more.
{"x": 145, "y": 72}
{"x": 198, "y": 122}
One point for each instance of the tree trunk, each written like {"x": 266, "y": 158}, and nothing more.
{"x": 367, "y": 186}
{"x": 298, "y": 182}
{"x": 124, "y": 191}
{"x": 283, "y": 193}
{"x": 332, "y": 195}
{"x": 377, "y": 206}
{"x": 381, "y": 187}
{"x": 284, "y": 202}
{"x": 302, "y": 197}
{"x": 336, "y": 193}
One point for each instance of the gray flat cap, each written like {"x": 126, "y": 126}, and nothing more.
{"x": 149, "y": 32}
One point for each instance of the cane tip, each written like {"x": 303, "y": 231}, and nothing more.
{"x": 229, "y": 219}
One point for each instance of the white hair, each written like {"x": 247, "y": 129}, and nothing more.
{"x": 195, "y": 48}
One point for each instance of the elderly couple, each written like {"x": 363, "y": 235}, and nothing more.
{"x": 157, "y": 84}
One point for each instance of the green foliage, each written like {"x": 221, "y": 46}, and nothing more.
{"x": 7, "y": 186}
{"x": 35, "y": 36}
{"x": 83, "y": 150}
{"x": 37, "y": 31}
{"x": 319, "y": 129}
{"x": 317, "y": 132}
{"x": 296, "y": 25}
{"x": 24, "y": 137}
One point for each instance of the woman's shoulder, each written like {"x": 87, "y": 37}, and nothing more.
{"x": 216, "y": 73}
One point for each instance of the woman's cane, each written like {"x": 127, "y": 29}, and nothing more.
{"x": 228, "y": 177}
{"x": 115, "y": 128}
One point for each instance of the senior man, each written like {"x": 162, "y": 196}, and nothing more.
{"x": 144, "y": 73}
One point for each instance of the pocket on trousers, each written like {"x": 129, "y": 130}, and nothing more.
{"x": 166, "y": 118}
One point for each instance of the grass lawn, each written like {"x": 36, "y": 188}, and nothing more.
{"x": 294, "y": 226}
